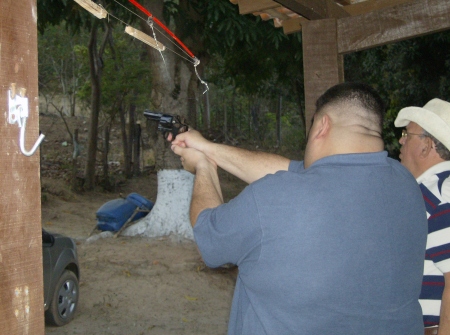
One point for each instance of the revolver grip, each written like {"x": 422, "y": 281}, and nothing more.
{"x": 178, "y": 126}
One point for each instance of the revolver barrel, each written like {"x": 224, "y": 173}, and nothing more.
{"x": 167, "y": 123}
{"x": 152, "y": 115}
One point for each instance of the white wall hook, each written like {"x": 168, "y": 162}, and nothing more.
{"x": 18, "y": 113}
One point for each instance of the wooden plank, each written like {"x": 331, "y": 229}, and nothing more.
{"x": 293, "y": 25}
{"x": 393, "y": 24}
{"x": 344, "y": 2}
{"x": 315, "y": 9}
{"x": 276, "y": 14}
{"x": 21, "y": 276}
{"x": 372, "y": 5}
{"x": 251, "y": 6}
{"x": 322, "y": 65}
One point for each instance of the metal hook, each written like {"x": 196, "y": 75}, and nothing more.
{"x": 150, "y": 21}
{"x": 18, "y": 113}
{"x": 197, "y": 62}
{"x": 22, "y": 140}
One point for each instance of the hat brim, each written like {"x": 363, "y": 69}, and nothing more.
{"x": 428, "y": 120}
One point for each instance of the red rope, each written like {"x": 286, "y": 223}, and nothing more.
{"x": 159, "y": 23}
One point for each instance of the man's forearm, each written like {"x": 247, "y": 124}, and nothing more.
{"x": 245, "y": 164}
{"x": 207, "y": 192}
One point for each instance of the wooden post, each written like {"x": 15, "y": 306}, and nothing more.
{"x": 21, "y": 276}
{"x": 322, "y": 64}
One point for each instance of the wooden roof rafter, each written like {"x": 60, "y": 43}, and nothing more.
{"x": 328, "y": 34}
{"x": 291, "y": 14}
{"x": 315, "y": 9}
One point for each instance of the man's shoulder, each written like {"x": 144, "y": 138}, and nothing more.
{"x": 296, "y": 166}
{"x": 436, "y": 181}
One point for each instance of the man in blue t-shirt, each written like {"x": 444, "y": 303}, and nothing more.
{"x": 330, "y": 245}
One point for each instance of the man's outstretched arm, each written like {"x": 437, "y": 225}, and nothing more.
{"x": 207, "y": 192}
{"x": 245, "y": 164}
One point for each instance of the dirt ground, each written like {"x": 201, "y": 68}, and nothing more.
{"x": 132, "y": 285}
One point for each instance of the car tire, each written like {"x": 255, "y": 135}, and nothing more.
{"x": 64, "y": 300}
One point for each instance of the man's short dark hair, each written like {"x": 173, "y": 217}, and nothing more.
{"x": 357, "y": 94}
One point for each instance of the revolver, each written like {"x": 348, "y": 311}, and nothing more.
{"x": 167, "y": 123}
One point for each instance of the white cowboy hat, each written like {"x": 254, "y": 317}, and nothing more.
{"x": 434, "y": 117}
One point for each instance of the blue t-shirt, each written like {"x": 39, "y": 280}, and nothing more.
{"x": 333, "y": 249}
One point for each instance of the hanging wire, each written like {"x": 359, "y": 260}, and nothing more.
{"x": 190, "y": 60}
{"x": 201, "y": 80}
{"x": 150, "y": 21}
{"x": 159, "y": 23}
{"x": 150, "y": 24}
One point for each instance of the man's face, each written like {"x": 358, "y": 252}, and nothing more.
{"x": 411, "y": 149}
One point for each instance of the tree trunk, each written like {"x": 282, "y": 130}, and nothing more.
{"x": 137, "y": 150}
{"x": 299, "y": 94}
{"x": 131, "y": 124}
{"x": 106, "y": 182}
{"x": 192, "y": 101}
{"x": 207, "y": 114}
{"x": 95, "y": 71}
{"x": 171, "y": 78}
{"x": 123, "y": 131}
{"x": 76, "y": 185}
{"x": 280, "y": 100}
{"x": 95, "y": 64}
{"x": 225, "y": 120}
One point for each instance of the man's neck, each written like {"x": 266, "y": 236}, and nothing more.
{"x": 354, "y": 143}
{"x": 427, "y": 164}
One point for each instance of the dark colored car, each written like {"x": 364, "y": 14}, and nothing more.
{"x": 61, "y": 278}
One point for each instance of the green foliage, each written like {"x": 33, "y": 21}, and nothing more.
{"x": 247, "y": 54}
{"x": 61, "y": 67}
{"x": 250, "y": 53}
{"x": 126, "y": 76}
{"x": 75, "y": 17}
{"x": 407, "y": 73}
{"x": 252, "y": 120}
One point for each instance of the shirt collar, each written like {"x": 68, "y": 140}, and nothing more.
{"x": 435, "y": 169}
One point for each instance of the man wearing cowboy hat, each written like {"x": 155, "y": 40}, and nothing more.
{"x": 425, "y": 152}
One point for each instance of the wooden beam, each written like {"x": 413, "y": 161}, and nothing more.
{"x": 251, "y": 6}
{"x": 293, "y": 25}
{"x": 315, "y": 9}
{"x": 344, "y": 2}
{"x": 393, "y": 24}
{"x": 21, "y": 274}
{"x": 322, "y": 65}
{"x": 372, "y": 6}
{"x": 274, "y": 13}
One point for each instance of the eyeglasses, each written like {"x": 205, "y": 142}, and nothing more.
{"x": 405, "y": 134}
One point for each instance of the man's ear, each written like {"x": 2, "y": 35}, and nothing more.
{"x": 323, "y": 126}
{"x": 427, "y": 146}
